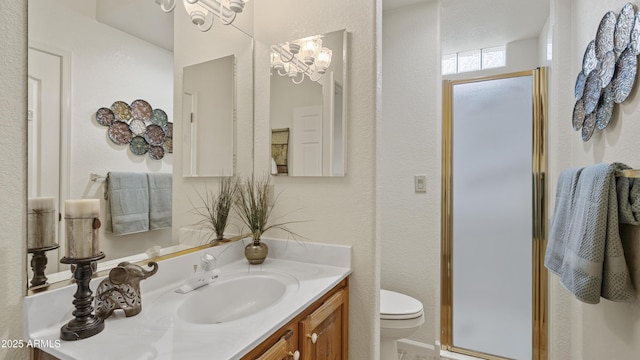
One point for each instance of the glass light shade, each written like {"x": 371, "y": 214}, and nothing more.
{"x": 200, "y": 16}
{"x": 293, "y": 70}
{"x": 278, "y": 65}
{"x": 235, "y": 5}
{"x": 294, "y": 47}
{"x": 324, "y": 60}
{"x": 275, "y": 59}
{"x": 310, "y": 49}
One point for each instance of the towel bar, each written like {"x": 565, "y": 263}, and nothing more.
{"x": 95, "y": 177}
{"x": 629, "y": 173}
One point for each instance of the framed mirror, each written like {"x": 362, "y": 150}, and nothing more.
{"x": 208, "y": 113}
{"x": 308, "y": 106}
{"x": 100, "y": 52}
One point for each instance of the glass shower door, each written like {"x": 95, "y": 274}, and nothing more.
{"x": 491, "y": 216}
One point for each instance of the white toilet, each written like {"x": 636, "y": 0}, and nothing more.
{"x": 400, "y": 316}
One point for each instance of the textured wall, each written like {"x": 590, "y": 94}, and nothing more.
{"x": 341, "y": 210}
{"x": 409, "y": 144}
{"x": 607, "y": 330}
{"x": 13, "y": 154}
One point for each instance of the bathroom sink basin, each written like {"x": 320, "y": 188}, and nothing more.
{"x": 235, "y": 296}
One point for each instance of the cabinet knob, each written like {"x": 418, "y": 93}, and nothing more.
{"x": 294, "y": 355}
{"x": 313, "y": 337}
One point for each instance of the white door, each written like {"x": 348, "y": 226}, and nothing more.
{"x": 306, "y": 141}
{"x": 44, "y": 124}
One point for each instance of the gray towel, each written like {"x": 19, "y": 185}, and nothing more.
{"x": 559, "y": 233}
{"x": 160, "y": 192}
{"x": 584, "y": 247}
{"x": 129, "y": 202}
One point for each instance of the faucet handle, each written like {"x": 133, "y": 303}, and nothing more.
{"x": 207, "y": 262}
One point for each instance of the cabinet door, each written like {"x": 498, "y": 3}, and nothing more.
{"x": 281, "y": 350}
{"x": 324, "y": 332}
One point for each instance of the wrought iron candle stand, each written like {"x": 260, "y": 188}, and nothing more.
{"x": 85, "y": 323}
{"x": 39, "y": 264}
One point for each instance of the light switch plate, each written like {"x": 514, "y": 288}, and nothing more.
{"x": 420, "y": 183}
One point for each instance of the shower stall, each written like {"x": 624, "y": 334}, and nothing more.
{"x": 493, "y": 222}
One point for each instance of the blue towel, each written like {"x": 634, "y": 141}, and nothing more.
{"x": 160, "y": 192}
{"x": 129, "y": 202}
{"x": 584, "y": 247}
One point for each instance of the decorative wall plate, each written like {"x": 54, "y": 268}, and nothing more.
{"x": 159, "y": 117}
{"x": 105, "y": 117}
{"x": 156, "y": 152}
{"x": 589, "y": 60}
{"x": 607, "y": 68}
{"x": 592, "y": 89}
{"x": 138, "y": 127}
{"x": 579, "y": 88}
{"x": 141, "y": 109}
{"x": 578, "y": 115}
{"x": 144, "y": 129}
{"x": 604, "y": 36}
{"x": 168, "y": 130}
{"x": 634, "y": 43}
{"x": 139, "y": 145}
{"x": 605, "y": 108}
{"x": 608, "y": 71}
{"x": 622, "y": 34}
{"x": 154, "y": 135}
{"x": 168, "y": 144}
{"x": 625, "y": 76}
{"x": 120, "y": 133}
{"x": 588, "y": 126}
{"x": 122, "y": 110}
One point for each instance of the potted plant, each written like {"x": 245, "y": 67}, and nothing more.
{"x": 216, "y": 207}
{"x": 253, "y": 206}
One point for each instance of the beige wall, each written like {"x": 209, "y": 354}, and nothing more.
{"x": 13, "y": 176}
{"x": 607, "y": 330}
{"x": 409, "y": 143}
{"x": 341, "y": 210}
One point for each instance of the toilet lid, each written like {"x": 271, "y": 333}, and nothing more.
{"x": 394, "y": 305}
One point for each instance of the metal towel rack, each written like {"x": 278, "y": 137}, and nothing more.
{"x": 629, "y": 173}
{"x": 95, "y": 177}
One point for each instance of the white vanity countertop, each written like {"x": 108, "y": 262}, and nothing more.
{"x": 158, "y": 333}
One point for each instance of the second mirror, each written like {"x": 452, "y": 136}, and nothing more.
{"x": 208, "y": 109}
{"x": 308, "y": 112}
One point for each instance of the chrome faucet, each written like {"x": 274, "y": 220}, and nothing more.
{"x": 204, "y": 274}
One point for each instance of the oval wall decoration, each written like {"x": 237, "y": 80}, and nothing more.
{"x": 146, "y": 130}
{"x": 608, "y": 70}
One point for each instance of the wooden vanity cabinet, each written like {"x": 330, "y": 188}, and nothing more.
{"x": 320, "y": 332}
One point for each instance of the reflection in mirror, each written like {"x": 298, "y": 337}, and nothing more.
{"x": 79, "y": 62}
{"x": 208, "y": 118}
{"x": 308, "y": 115}
{"x": 122, "y": 51}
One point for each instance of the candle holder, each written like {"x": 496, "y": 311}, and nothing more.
{"x": 39, "y": 264}
{"x": 85, "y": 323}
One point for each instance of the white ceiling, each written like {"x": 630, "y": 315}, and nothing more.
{"x": 464, "y": 24}
{"x": 141, "y": 18}
{"x": 474, "y": 24}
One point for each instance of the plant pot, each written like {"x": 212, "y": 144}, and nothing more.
{"x": 256, "y": 252}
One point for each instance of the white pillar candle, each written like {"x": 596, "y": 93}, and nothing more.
{"x": 41, "y": 222}
{"x": 41, "y": 203}
{"x": 82, "y": 228}
{"x": 83, "y": 208}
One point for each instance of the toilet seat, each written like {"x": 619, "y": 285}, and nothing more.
{"x": 396, "y": 306}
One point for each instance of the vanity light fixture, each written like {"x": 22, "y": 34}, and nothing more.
{"x": 202, "y": 11}
{"x": 301, "y": 57}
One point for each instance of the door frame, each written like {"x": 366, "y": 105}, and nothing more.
{"x": 65, "y": 133}
{"x": 539, "y": 238}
